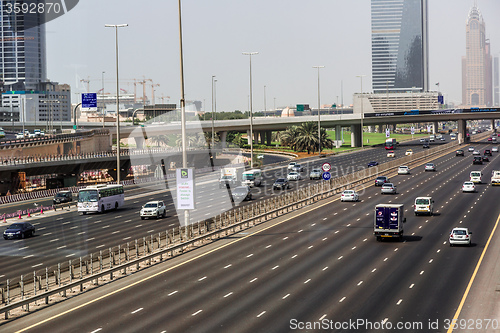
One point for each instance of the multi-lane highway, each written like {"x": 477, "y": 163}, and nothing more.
{"x": 318, "y": 266}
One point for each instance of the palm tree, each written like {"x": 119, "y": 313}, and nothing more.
{"x": 307, "y": 138}
{"x": 289, "y": 136}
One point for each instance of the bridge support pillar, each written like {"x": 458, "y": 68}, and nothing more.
{"x": 223, "y": 136}
{"x": 356, "y": 135}
{"x": 435, "y": 127}
{"x": 462, "y": 126}
{"x": 493, "y": 125}
{"x": 380, "y": 128}
{"x": 139, "y": 142}
{"x": 269, "y": 135}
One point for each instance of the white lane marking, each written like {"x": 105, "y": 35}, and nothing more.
{"x": 431, "y": 261}
{"x": 227, "y": 266}
{"x": 203, "y": 278}
{"x": 322, "y": 317}
{"x": 115, "y": 232}
{"x": 324, "y": 269}
{"x": 310, "y": 247}
{"x": 96, "y": 330}
{"x": 285, "y": 238}
{"x": 260, "y": 314}
{"x": 412, "y": 285}
{"x": 172, "y": 293}
{"x": 228, "y": 294}
{"x": 61, "y": 247}
{"x": 285, "y": 296}
{"x": 89, "y": 239}
{"x": 137, "y": 226}
{"x": 373, "y": 270}
{"x": 340, "y": 257}
{"x": 251, "y": 254}
{"x": 194, "y": 314}
{"x": 399, "y": 302}
{"x": 31, "y": 255}
{"x": 70, "y": 255}
{"x": 300, "y": 230}
{"x": 275, "y": 267}
{"x": 49, "y": 233}
{"x": 106, "y": 226}
{"x": 360, "y": 283}
{"x": 81, "y": 233}
{"x": 294, "y": 256}
{"x": 307, "y": 281}
{"x": 342, "y": 299}
{"x": 127, "y": 238}
{"x": 23, "y": 248}
{"x": 42, "y": 228}
{"x": 102, "y": 245}
{"x": 268, "y": 246}
{"x": 253, "y": 280}
{"x": 40, "y": 264}
{"x": 422, "y": 272}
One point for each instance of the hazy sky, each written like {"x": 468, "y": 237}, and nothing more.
{"x": 291, "y": 36}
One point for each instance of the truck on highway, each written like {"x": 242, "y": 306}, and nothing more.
{"x": 252, "y": 178}
{"x": 229, "y": 177}
{"x": 388, "y": 221}
{"x": 495, "y": 178}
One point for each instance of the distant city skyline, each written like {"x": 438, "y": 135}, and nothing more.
{"x": 290, "y": 36}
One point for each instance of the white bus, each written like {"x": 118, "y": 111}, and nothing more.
{"x": 99, "y": 198}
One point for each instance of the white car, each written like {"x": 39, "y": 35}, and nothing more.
{"x": 20, "y": 136}
{"x": 403, "y": 170}
{"x": 388, "y": 188}
{"x": 409, "y": 152}
{"x": 153, "y": 209}
{"x": 476, "y": 152}
{"x": 468, "y": 187}
{"x": 460, "y": 236}
{"x": 471, "y": 148}
{"x": 495, "y": 149}
{"x": 430, "y": 167}
{"x": 291, "y": 165}
{"x": 390, "y": 153}
{"x": 294, "y": 176}
{"x": 349, "y": 195}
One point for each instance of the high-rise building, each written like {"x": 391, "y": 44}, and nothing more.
{"x": 477, "y": 84}
{"x": 22, "y": 49}
{"x": 496, "y": 82}
{"x": 399, "y": 46}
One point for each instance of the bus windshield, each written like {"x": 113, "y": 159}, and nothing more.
{"x": 88, "y": 196}
{"x": 248, "y": 177}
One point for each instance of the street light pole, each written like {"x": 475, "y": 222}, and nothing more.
{"x": 102, "y": 102}
{"x": 116, "y": 26}
{"x": 250, "y": 54}
{"x": 362, "y": 114}
{"x": 319, "y": 118}
{"x": 213, "y": 125}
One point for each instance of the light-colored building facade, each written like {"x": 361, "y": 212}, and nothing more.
{"x": 396, "y": 102}
{"x": 477, "y": 84}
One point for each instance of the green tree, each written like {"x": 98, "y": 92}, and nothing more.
{"x": 289, "y": 136}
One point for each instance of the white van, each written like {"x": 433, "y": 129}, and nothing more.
{"x": 423, "y": 205}
{"x": 475, "y": 176}
{"x": 252, "y": 178}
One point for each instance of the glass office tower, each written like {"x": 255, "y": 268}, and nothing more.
{"x": 22, "y": 49}
{"x": 399, "y": 46}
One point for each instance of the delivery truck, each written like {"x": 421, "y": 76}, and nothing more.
{"x": 388, "y": 221}
{"x": 230, "y": 177}
{"x": 495, "y": 178}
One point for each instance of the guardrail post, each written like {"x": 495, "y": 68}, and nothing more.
{"x": 127, "y": 258}
{"x": 111, "y": 262}
{"x": 34, "y": 284}
{"x": 46, "y": 284}
{"x": 8, "y": 296}
{"x": 100, "y": 262}
{"x": 21, "y": 285}
{"x": 136, "y": 254}
{"x": 81, "y": 274}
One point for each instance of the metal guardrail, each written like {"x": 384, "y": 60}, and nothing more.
{"x": 56, "y": 280}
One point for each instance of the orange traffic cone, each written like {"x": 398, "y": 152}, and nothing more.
{"x": 41, "y": 210}
{"x": 29, "y": 215}
{"x": 20, "y": 215}
{"x": 4, "y": 221}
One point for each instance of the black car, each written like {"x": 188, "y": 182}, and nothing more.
{"x": 372, "y": 164}
{"x": 486, "y": 158}
{"x": 19, "y": 230}
{"x": 281, "y": 184}
{"x": 425, "y": 146}
{"x": 241, "y": 193}
{"x": 62, "y": 197}
{"x": 477, "y": 160}
{"x": 459, "y": 152}
{"x": 487, "y": 152}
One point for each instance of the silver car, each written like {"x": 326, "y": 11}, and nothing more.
{"x": 388, "y": 188}
{"x": 430, "y": 167}
{"x": 315, "y": 174}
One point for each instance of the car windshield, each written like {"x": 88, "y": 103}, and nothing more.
{"x": 387, "y": 185}
{"x": 293, "y": 174}
{"x": 475, "y": 174}
{"x": 248, "y": 177}
{"x": 422, "y": 201}
{"x": 468, "y": 184}
{"x": 61, "y": 195}
{"x": 227, "y": 177}
{"x": 88, "y": 196}
{"x": 460, "y": 232}
{"x": 381, "y": 178}
{"x": 151, "y": 205}
{"x": 348, "y": 192}
{"x": 281, "y": 180}
{"x": 430, "y": 164}
{"x": 16, "y": 226}
{"x": 240, "y": 190}
{"x": 316, "y": 170}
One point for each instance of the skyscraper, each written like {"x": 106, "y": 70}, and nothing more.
{"x": 496, "y": 82}
{"x": 399, "y": 46}
{"x": 22, "y": 49}
{"x": 477, "y": 84}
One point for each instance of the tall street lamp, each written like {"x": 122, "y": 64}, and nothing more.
{"x": 102, "y": 102}
{"x": 319, "y": 119}
{"x": 362, "y": 114}
{"x": 213, "y": 104}
{"x": 116, "y": 26}
{"x": 250, "y": 54}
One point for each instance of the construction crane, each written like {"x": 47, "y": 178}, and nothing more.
{"x": 162, "y": 98}
{"x": 153, "y": 85}
{"x": 87, "y": 82}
